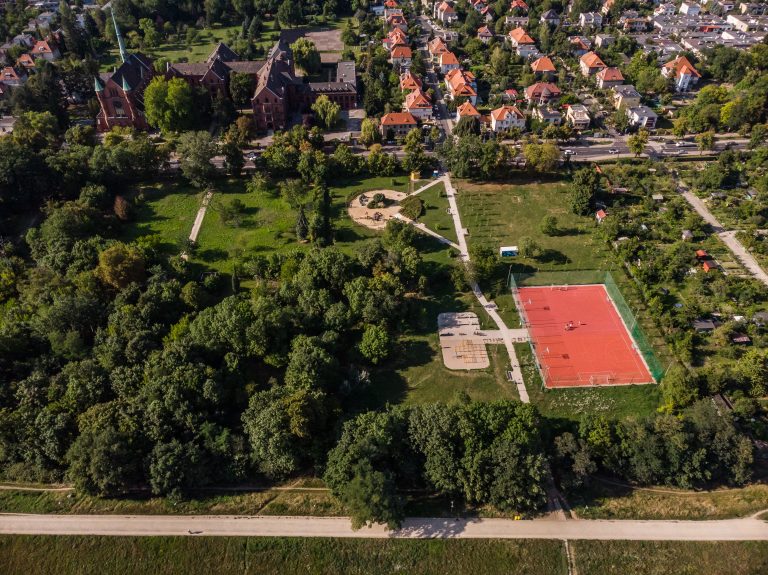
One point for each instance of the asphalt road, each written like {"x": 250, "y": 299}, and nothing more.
{"x": 747, "y": 529}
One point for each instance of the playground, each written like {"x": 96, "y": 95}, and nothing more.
{"x": 366, "y": 211}
{"x": 463, "y": 341}
{"x": 579, "y": 337}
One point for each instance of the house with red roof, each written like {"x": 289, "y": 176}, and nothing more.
{"x": 505, "y": 118}
{"x": 543, "y": 67}
{"x": 682, "y": 72}
{"x": 542, "y": 93}
{"x": 46, "y": 50}
{"x": 396, "y": 36}
{"x": 417, "y": 103}
{"x": 466, "y": 110}
{"x": 608, "y": 78}
{"x": 397, "y": 21}
{"x": 445, "y": 13}
{"x": 11, "y": 76}
{"x": 580, "y": 45}
{"x": 437, "y": 47}
{"x": 447, "y": 62}
{"x": 397, "y": 124}
{"x": 401, "y": 56}
{"x": 409, "y": 81}
{"x": 461, "y": 84}
{"x": 26, "y": 61}
{"x": 484, "y": 34}
{"x": 518, "y": 5}
{"x": 590, "y": 64}
{"x": 523, "y": 44}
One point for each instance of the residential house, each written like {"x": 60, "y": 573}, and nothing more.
{"x": 606, "y": 7}
{"x": 46, "y": 49}
{"x": 505, "y": 118}
{"x": 590, "y": 64}
{"x": 518, "y": 5}
{"x": 580, "y": 45}
{"x": 608, "y": 78}
{"x": 417, "y": 103}
{"x": 520, "y": 40}
{"x": 409, "y": 81}
{"x": 394, "y": 38}
{"x": 592, "y": 20}
{"x": 466, "y": 110}
{"x": 543, "y": 68}
{"x": 631, "y": 21}
{"x": 437, "y": 47}
{"x": 11, "y": 76}
{"x": 604, "y": 40}
{"x": 6, "y": 125}
{"x": 397, "y": 21}
{"x": 753, "y": 8}
{"x": 542, "y": 93}
{"x": 578, "y": 116}
{"x": 516, "y": 21}
{"x": 447, "y": 62}
{"x": 547, "y": 116}
{"x": 445, "y": 13}
{"x": 689, "y": 8}
{"x": 484, "y": 34}
{"x": 26, "y": 61}
{"x": 401, "y": 56}
{"x": 461, "y": 84}
{"x": 551, "y": 18}
{"x": 397, "y": 124}
{"x": 684, "y": 75}
{"x": 665, "y": 9}
{"x": 642, "y": 117}
{"x": 625, "y": 96}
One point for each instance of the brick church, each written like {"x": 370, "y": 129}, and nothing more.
{"x": 280, "y": 96}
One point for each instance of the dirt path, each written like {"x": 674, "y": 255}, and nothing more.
{"x": 746, "y": 529}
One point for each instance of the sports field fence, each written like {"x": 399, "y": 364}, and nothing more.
{"x": 563, "y": 279}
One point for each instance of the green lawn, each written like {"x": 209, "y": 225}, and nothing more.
{"x": 436, "y": 212}
{"x": 501, "y": 214}
{"x": 670, "y": 557}
{"x": 269, "y": 555}
{"x": 571, "y": 404}
{"x": 166, "y": 209}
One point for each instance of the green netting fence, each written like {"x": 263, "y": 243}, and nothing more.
{"x": 591, "y": 277}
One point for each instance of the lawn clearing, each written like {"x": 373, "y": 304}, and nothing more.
{"x": 436, "y": 212}
{"x": 501, "y": 214}
{"x": 166, "y": 209}
{"x": 670, "y": 557}
{"x": 271, "y": 555}
{"x": 608, "y": 500}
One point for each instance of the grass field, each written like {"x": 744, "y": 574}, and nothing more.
{"x": 502, "y": 214}
{"x": 670, "y": 557}
{"x": 284, "y": 556}
{"x": 436, "y": 216}
{"x": 609, "y": 501}
{"x": 166, "y": 209}
{"x": 287, "y": 556}
{"x": 572, "y": 404}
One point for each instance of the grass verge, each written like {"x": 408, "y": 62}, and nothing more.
{"x": 284, "y": 556}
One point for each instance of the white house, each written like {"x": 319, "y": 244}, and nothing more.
{"x": 506, "y": 118}
{"x": 590, "y": 19}
{"x": 578, "y": 116}
{"x": 689, "y": 8}
{"x": 682, "y": 71}
{"x": 642, "y": 117}
{"x": 445, "y": 13}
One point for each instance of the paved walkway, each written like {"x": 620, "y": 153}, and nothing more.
{"x": 200, "y": 215}
{"x": 747, "y": 529}
{"x": 426, "y": 230}
{"x": 728, "y": 237}
{"x": 490, "y": 307}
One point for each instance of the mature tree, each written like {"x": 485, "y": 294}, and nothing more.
{"x": 168, "y": 104}
{"x": 585, "y": 184}
{"x": 637, "y": 142}
{"x": 37, "y": 129}
{"x": 349, "y": 34}
{"x": 548, "y": 225}
{"x": 376, "y": 344}
{"x": 326, "y": 111}
{"x": 196, "y": 150}
{"x": 752, "y": 367}
{"x": 679, "y": 388}
{"x": 152, "y": 37}
{"x": 233, "y": 158}
{"x": 541, "y": 157}
{"x": 121, "y": 265}
{"x": 289, "y": 13}
{"x": 706, "y": 140}
{"x": 415, "y": 158}
{"x": 74, "y": 35}
{"x": 310, "y": 366}
{"x": 306, "y": 56}
{"x": 369, "y": 132}
{"x": 240, "y": 88}
{"x": 529, "y": 248}
{"x": 371, "y": 497}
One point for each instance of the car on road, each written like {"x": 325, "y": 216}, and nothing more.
{"x": 613, "y": 151}
{"x": 251, "y": 157}
{"x": 569, "y": 153}
{"x": 684, "y": 144}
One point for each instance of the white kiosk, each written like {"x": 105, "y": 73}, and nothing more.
{"x": 508, "y": 251}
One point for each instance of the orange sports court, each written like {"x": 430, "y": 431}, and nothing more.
{"x": 579, "y": 337}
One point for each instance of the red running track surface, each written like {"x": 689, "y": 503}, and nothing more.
{"x": 597, "y": 349}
